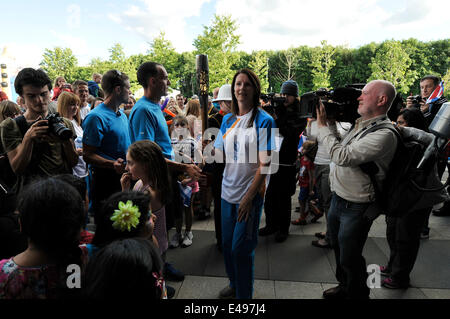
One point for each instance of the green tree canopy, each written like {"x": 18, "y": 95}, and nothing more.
{"x": 59, "y": 62}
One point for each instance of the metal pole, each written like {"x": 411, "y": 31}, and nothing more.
{"x": 203, "y": 87}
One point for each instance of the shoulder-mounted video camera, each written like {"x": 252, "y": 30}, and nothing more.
{"x": 340, "y": 104}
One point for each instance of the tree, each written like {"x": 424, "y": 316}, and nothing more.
{"x": 59, "y": 62}
{"x": 259, "y": 64}
{"x": 117, "y": 54}
{"x": 321, "y": 63}
{"x": 219, "y": 42}
{"x": 392, "y": 63}
{"x": 163, "y": 52}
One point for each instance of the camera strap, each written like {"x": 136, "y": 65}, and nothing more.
{"x": 22, "y": 124}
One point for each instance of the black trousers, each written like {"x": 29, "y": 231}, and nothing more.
{"x": 403, "y": 236}
{"x": 277, "y": 203}
{"x": 217, "y": 171}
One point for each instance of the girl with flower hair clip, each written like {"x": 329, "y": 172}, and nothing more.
{"x": 146, "y": 164}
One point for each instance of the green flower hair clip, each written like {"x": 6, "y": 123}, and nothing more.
{"x": 126, "y": 217}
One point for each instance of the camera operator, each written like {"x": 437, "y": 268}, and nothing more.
{"x": 282, "y": 184}
{"x": 33, "y": 147}
{"x": 349, "y": 219}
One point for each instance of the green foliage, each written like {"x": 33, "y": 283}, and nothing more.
{"x": 321, "y": 64}
{"x": 401, "y": 62}
{"x": 163, "y": 52}
{"x": 260, "y": 65}
{"x": 219, "y": 43}
{"x": 392, "y": 63}
{"x": 59, "y": 62}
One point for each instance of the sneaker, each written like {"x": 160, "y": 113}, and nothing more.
{"x": 299, "y": 221}
{"x": 187, "y": 241}
{"x": 172, "y": 274}
{"x": 393, "y": 284}
{"x": 227, "y": 293}
{"x": 384, "y": 271}
{"x": 176, "y": 240}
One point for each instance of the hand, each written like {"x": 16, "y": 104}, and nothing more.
{"x": 79, "y": 151}
{"x": 311, "y": 193}
{"x": 193, "y": 171}
{"x": 321, "y": 115}
{"x": 125, "y": 181}
{"x": 119, "y": 166}
{"x": 38, "y": 131}
{"x": 424, "y": 107}
{"x": 245, "y": 208}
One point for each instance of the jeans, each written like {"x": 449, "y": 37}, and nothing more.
{"x": 348, "y": 230}
{"x": 239, "y": 243}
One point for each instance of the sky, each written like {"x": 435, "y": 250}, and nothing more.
{"x": 90, "y": 28}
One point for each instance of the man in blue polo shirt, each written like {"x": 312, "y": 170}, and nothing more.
{"x": 147, "y": 123}
{"x": 106, "y": 138}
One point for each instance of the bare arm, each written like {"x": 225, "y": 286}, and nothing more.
{"x": 91, "y": 157}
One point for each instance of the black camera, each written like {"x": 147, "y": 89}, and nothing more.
{"x": 340, "y": 104}
{"x": 56, "y": 126}
{"x": 415, "y": 100}
{"x": 272, "y": 101}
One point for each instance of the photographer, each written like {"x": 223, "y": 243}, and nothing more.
{"x": 348, "y": 219}
{"x": 33, "y": 147}
{"x": 282, "y": 184}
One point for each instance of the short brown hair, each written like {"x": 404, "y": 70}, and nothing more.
{"x": 8, "y": 109}
{"x": 113, "y": 78}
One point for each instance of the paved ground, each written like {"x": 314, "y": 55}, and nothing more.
{"x": 297, "y": 270}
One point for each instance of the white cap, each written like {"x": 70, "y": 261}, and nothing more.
{"x": 224, "y": 93}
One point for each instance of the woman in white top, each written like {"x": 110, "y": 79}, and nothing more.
{"x": 69, "y": 107}
{"x": 245, "y": 135}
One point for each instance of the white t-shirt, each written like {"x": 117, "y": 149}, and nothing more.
{"x": 84, "y": 110}
{"x": 80, "y": 169}
{"x": 322, "y": 156}
{"x": 241, "y": 146}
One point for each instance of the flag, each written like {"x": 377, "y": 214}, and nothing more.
{"x": 437, "y": 93}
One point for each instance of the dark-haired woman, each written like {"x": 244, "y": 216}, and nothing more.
{"x": 51, "y": 216}
{"x": 245, "y": 137}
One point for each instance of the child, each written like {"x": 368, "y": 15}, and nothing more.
{"x": 306, "y": 181}
{"x": 146, "y": 164}
{"x": 127, "y": 269}
{"x": 51, "y": 216}
{"x": 186, "y": 151}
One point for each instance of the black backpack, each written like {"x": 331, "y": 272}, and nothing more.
{"x": 406, "y": 188}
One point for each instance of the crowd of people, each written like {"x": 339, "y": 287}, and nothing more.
{"x": 89, "y": 150}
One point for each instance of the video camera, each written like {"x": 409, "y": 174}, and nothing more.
{"x": 272, "y": 101}
{"x": 340, "y": 104}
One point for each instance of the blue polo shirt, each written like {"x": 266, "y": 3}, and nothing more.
{"x": 108, "y": 132}
{"x": 147, "y": 122}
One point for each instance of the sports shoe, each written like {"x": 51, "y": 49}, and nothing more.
{"x": 172, "y": 274}
{"x": 385, "y": 271}
{"x": 299, "y": 221}
{"x": 187, "y": 240}
{"x": 227, "y": 293}
{"x": 176, "y": 240}
{"x": 393, "y": 284}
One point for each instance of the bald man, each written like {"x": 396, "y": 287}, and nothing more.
{"x": 352, "y": 189}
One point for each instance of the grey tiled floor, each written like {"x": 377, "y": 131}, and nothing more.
{"x": 207, "y": 287}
